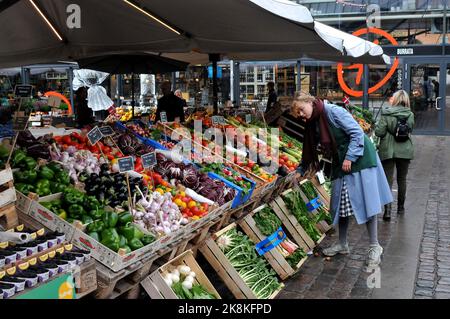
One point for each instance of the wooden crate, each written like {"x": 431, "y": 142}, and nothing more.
{"x": 225, "y": 270}
{"x": 111, "y": 284}
{"x": 324, "y": 197}
{"x": 7, "y": 191}
{"x": 292, "y": 225}
{"x": 157, "y": 288}
{"x": 8, "y": 216}
{"x": 285, "y": 210}
{"x": 273, "y": 256}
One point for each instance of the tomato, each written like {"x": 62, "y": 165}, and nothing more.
{"x": 205, "y": 206}
{"x": 195, "y": 210}
{"x": 186, "y": 199}
{"x": 66, "y": 139}
{"x": 107, "y": 149}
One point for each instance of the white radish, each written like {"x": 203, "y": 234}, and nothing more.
{"x": 187, "y": 285}
{"x": 184, "y": 270}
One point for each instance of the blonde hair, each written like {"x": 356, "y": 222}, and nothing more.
{"x": 302, "y": 96}
{"x": 400, "y": 98}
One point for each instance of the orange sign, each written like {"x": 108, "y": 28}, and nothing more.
{"x": 359, "y": 67}
{"x": 62, "y": 97}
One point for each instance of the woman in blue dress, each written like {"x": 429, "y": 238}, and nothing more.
{"x": 359, "y": 185}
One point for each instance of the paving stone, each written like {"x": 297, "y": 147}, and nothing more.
{"x": 422, "y": 297}
{"x": 444, "y": 280}
{"x": 442, "y": 288}
{"x": 425, "y": 283}
{"x": 424, "y": 292}
{"x": 337, "y": 294}
{"x": 426, "y": 276}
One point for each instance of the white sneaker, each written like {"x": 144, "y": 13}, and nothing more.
{"x": 336, "y": 249}
{"x": 374, "y": 255}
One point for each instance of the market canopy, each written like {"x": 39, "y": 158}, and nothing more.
{"x": 36, "y": 31}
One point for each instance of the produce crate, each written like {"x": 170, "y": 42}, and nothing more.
{"x": 112, "y": 285}
{"x": 7, "y": 191}
{"x": 285, "y": 210}
{"x": 260, "y": 183}
{"x": 23, "y": 202}
{"x": 226, "y": 271}
{"x": 157, "y": 288}
{"x": 8, "y": 216}
{"x": 240, "y": 197}
{"x": 48, "y": 219}
{"x": 292, "y": 225}
{"x": 273, "y": 256}
{"x": 98, "y": 251}
{"x": 324, "y": 198}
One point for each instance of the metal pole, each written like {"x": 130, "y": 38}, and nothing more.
{"x": 70, "y": 75}
{"x": 444, "y": 27}
{"x": 214, "y": 58}
{"x": 366, "y": 70}
{"x": 299, "y": 75}
{"x": 119, "y": 88}
{"x": 236, "y": 84}
{"x": 132, "y": 95}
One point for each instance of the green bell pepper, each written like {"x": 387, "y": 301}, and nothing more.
{"x": 110, "y": 219}
{"x": 111, "y": 239}
{"x": 18, "y": 157}
{"x": 125, "y": 218}
{"x": 47, "y": 205}
{"x": 94, "y": 235}
{"x": 56, "y": 203}
{"x": 56, "y": 187}
{"x": 73, "y": 196}
{"x": 26, "y": 176}
{"x": 138, "y": 234}
{"x": 55, "y": 167}
{"x": 96, "y": 213}
{"x": 62, "y": 213}
{"x": 85, "y": 219}
{"x": 96, "y": 226}
{"x": 46, "y": 173}
{"x": 91, "y": 203}
{"x": 62, "y": 177}
{"x": 43, "y": 187}
{"x": 147, "y": 239}
{"x": 24, "y": 188}
{"x": 76, "y": 211}
{"x": 135, "y": 244}
{"x": 123, "y": 241}
{"x": 127, "y": 231}
{"x": 28, "y": 163}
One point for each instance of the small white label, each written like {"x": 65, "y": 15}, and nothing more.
{"x": 321, "y": 177}
{"x": 163, "y": 116}
{"x": 248, "y": 118}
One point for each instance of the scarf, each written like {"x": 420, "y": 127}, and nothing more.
{"x": 317, "y": 130}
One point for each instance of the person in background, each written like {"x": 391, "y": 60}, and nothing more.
{"x": 83, "y": 113}
{"x": 359, "y": 185}
{"x": 171, "y": 104}
{"x": 435, "y": 89}
{"x": 180, "y": 95}
{"x": 273, "y": 98}
{"x": 427, "y": 90}
{"x": 393, "y": 153}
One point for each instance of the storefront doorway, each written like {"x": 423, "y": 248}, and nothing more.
{"x": 428, "y": 82}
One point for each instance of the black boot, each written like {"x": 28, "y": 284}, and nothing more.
{"x": 387, "y": 212}
{"x": 400, "y": 209}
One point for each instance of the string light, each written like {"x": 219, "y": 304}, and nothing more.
{"x": 46, "y": 20}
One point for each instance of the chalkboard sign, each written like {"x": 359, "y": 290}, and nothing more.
{"x": 163, "y": 116}
{"x": 149, "y": 160}
{"x": 94, "y": 135}
{"x": 248, "y": 118}
{"x": 126, "y": 164}
{"x": 23, "y": 90}
{"x": 106, "y": 131}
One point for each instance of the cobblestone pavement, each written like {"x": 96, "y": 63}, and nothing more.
{"x": 417, "y": 245}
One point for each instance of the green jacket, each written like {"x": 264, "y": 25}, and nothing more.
{"x": 388, "y": 147}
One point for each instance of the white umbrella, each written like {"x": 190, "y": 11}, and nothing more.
{"x": 232, "y": 27}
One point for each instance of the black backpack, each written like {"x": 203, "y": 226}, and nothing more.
{"x": 402, "y": 130}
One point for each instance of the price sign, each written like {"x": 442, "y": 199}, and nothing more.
{"x": 149, "y": 160}
{"x": 163, "y": 116}
{"x": 106, "y": 130}
{"x": 248, "y": 118}
{"x": 23, "y": 90}
{"x": 126, "y": 164}
{"x": 320, "y": 177}
{"x": 218, "y": 120}
{"x": 94, "y": 135}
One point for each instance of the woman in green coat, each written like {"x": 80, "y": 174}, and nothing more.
{"x": 394, "y": 153}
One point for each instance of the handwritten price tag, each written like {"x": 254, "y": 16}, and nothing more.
{"x": 94, "y": 135}
{"x": 149, "y": 160}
